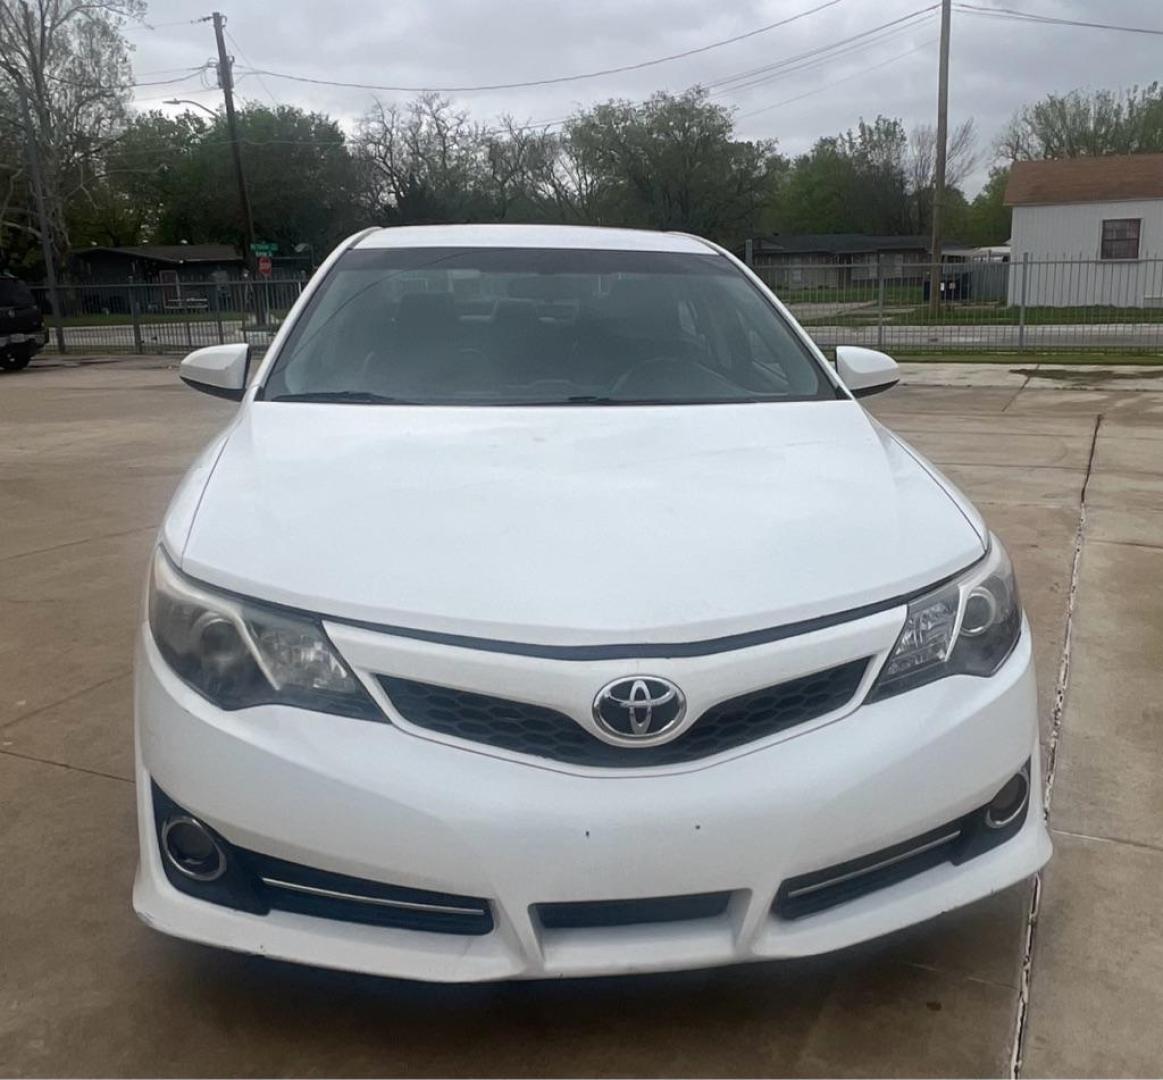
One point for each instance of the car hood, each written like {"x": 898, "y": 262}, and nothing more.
{"x": 571, "y": 525}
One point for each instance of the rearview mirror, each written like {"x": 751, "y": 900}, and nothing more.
{"x": 866, "y": 371}
{"x": 218, "y": 369}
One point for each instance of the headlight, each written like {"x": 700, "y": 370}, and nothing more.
{"x": 238, "y": 653}
{"x": 968, "y": 626}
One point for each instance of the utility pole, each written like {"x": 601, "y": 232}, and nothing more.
{"x": 37, "y": 177}
{"x": 939, "y": 172}
{"x": 226, "y": 81}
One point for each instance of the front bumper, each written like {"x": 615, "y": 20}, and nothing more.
{"x": 379, "y": 803}
{"x": 37, "y": 338}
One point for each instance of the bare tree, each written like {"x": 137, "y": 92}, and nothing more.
{"x": 421, "y": 162}
{"x": 64, "y": 75}
{"x": 521, "y": 162}
{"x": 961, "y": 159}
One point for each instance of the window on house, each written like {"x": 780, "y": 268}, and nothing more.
{"x": 1120, "y": 238}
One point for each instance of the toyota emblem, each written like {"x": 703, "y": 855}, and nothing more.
{"x": 640, "y": 707}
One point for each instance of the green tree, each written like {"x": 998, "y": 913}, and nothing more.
{"x": 672, "y": 162}
{"x": 988, "y": 220}
{"x": 144, "y": 183}
{"x": 854, "y": 182}
{"x": 1087, "y": 123}
{"x": 300, "y": 175}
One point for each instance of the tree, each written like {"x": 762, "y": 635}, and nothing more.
{"x": 1086, "y": 123}
{"x": 421, "y": 163}
{"x": 988, "y": 220}
{"x": 853, "y": 182}
{"x": 520, "y": 181}
{"x": 960, "y": 159}
{"x": 671, "y": 163}
{"x": 64, "y": 70}
{"x": 299, "y": 171}
{"x": 145, "y": 189}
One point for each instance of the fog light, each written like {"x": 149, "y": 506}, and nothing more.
{"x": 1008, "y": 803}
{"x": 192, "y": 849}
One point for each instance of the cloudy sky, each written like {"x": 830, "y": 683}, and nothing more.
{"x": 815, "y": 75}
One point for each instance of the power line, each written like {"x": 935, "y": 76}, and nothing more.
{"x": 169, "y": 96}
{"x": 876, "y": 35}
{"x": 190, "y": 73}
{"x": 1013, "y": 15}
{"x": 912, "y": 17}
{"x": 837, "y": 82}
{"x": 143, "y": 25}
{"x": 262, "y": 81}
{"x": 556, "y": 80}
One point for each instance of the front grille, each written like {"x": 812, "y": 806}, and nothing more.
{"x": 655, "y": 909}
{"x": 547, "y": 733}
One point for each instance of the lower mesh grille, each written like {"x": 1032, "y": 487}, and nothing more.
{"x": 547, "y": 733}
{"x": 655, "y": 909}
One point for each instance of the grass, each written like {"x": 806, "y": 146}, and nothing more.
{"x": 114, "y": 319}
{"x": 863, "y": 294}
{"x": 991, "y": 315}
{"x": 1065, "y": 357}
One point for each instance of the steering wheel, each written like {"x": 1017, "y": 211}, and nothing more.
{"x": 676, "y": 373}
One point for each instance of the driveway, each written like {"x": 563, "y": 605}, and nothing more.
{"x": 1069, "y": 471}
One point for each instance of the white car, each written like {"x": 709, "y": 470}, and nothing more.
{"x": 551, "y": 607}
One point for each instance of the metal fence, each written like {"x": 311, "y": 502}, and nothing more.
{"x": 1031, "y": 305}
{"x": 984, "y": 306}
{"x": 168, "y": 317}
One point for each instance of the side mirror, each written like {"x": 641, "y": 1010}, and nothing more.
{"x": 218, "y": 369}
{"x": 866, "y": 371}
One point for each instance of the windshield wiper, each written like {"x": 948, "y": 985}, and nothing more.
{"x": 350, "y": 397}
{"x": 600, "y": 399}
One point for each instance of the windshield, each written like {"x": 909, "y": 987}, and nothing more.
{"x": 538, "y": 326}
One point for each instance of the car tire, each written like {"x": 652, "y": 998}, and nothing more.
{"x": 16, "y": 359}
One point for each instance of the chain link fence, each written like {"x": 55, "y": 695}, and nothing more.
{"x": 1086, "y": 305}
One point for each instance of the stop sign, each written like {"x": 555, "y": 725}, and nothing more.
{"x": 264, "y": 265}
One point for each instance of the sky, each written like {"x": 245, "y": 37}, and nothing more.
{"x": 996, "y": 65}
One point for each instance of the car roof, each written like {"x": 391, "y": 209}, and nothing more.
{"x": 533, "y": 236}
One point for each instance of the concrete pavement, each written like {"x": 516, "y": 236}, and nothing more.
{"x": 88, "y": 457}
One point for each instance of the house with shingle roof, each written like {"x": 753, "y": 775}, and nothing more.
{"x": 1089, "y": 229}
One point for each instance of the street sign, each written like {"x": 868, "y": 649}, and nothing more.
{"x": 264, "y": 248}
{"x": 264, "y": 265}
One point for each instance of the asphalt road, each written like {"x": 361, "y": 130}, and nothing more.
{"x": 88, "y": 458}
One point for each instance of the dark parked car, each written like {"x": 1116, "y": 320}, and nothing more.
{"x": 22, "y": 332}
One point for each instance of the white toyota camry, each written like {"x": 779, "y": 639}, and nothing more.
{"x": 551, "y": 606}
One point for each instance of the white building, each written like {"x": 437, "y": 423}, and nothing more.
{"x": 1090, "y": 231}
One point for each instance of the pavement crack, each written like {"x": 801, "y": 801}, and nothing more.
{"x": 63, "y": 765}
{"x": 78, "y": 543}
{"x": 66, "y": 699}
{"x": 1141, "y": 844}
{"x": 1056, "y": 713}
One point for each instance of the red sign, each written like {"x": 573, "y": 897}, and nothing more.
{"x": 264, "y": 265}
